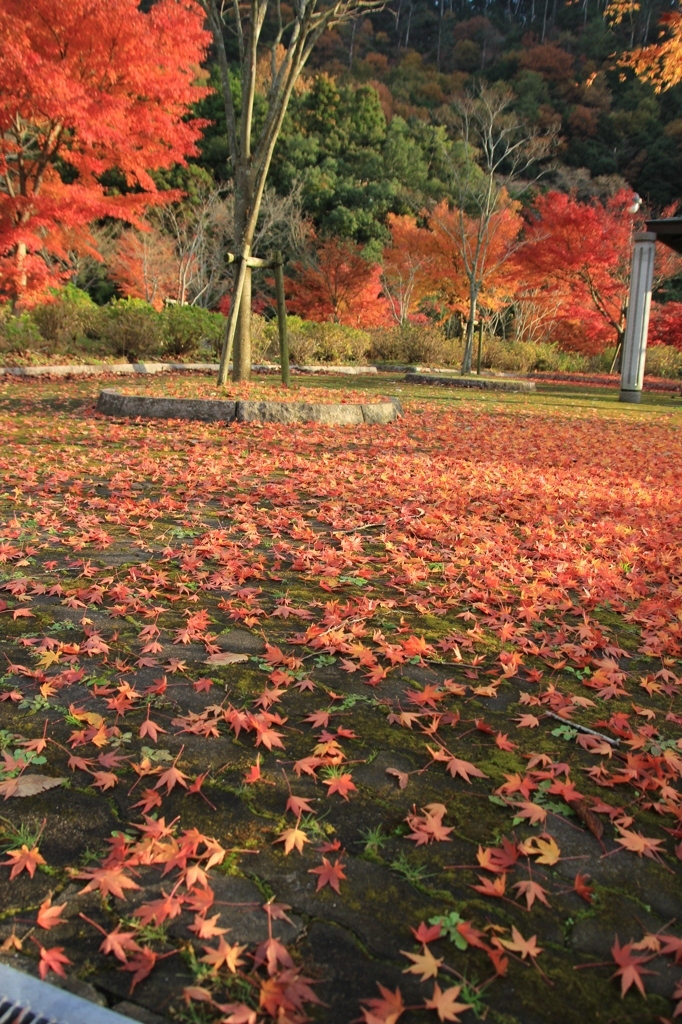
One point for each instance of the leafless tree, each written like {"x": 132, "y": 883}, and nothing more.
{"x": 251, "y": 147}
{"x": 497, "y": 159}
{"x": 203, "y": 232}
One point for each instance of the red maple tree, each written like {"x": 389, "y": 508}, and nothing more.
{"x": 580, "y": 253}
{"x": 87, "y": 87}
{"x": 339, "y": 285}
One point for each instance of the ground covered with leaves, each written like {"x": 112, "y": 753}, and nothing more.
{"x": 368, "y": 723}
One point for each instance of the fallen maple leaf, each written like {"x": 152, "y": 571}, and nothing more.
{"x": 543, "y": 847}
{"x": 292, "y": 837}
{"x": 445, "y": 1003}
{"x": 533, "y": 813}
{"x": 11, "y": 942}
{"x": 582, "y": 888}
{"x": 120, "y": 944}
{"x": 341, "y": 784}
{"x": 456, "y": 766}
{"x": 385, "y": 1010}
{"x": 141, "y": 964}
{"x": 532, "y": 891}
{"x": 49, "y": 916}
{"x": 197, "y": 994}
{"x": 206, "y": 928}
{"x": 402, "y": 777}
{"x": 524, "y": 947}
{"x": 329, "y": 874}
{"x": 629, "y": 970}
{"x": 299, "y": 805}
{"x": 151, "y": 729}
{"x": 110, "y": 881}
{"x": 273, "y": 954}
{"x": 527, "y": 722}
{"x": 429, "y": 827}
{"x": 424, "y": 964}
{"x": 225, "y": 954}
{"x": 23, "y": 860}
{"x": 253, "y": 774}
{"x": 171, "y": 778}
{"x": 52, "y": 960}
{"x": 427, "y": 933}
{"x": 104, "y": 780}
{"x": 491, "y": 887}
{"x": 639, "y": 844}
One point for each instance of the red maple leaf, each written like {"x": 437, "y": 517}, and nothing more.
{"x": 52, "y": 960}
{"x": 341, "y": 784}
{"x": 629, "y": 970}
{"x": 141, "y": 964}
{"x": 329, "y": 874}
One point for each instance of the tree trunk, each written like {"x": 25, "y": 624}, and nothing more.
{"x": 469, "y": 344}
{"x": 242, "y": 341}
{"x": 241, "y": 360}
{"x": 22, "y": 276}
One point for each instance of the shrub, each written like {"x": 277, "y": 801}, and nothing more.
{"x": 663, "y": 361}
{"x": 314, "y": 342}
{"x": 20, "y": 339}
{"x": 189, "y": 329}
{"x": 264, "y": 344}
{"x": 415, "y": 344}
{"x": 68, "y": 317}
{"x": 301, "y": 338}
{"x": 338, "y": 343}
{"x": 528, "y": 357}
{"x": 132, "y": 329}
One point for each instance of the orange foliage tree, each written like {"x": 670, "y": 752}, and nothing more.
{"x": 456, "y": 237}
{"x": 86, "y": 87}
{"x": 145, "y": 266}
{"x": 340, "y": 285}
{"x": 407, "y": 269}
{"x": 660, "y": 63}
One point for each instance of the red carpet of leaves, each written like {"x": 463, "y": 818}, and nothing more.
{"x": 476, "y": 581}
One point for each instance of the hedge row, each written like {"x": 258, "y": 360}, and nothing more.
{"x": 72, "y": 328}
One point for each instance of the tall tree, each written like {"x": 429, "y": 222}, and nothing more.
{"x": 456, "y": 236}
{"x": 87, "y": 87}
{"x": 251, "y": 147}
{"x": 498, "y": 151}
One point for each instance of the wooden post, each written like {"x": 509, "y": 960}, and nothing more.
{"x": 231, "y": 326}
{"x": 480, "y": 345}
{"x": 278, "y": 267}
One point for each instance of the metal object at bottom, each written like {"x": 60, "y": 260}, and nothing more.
{"x": 26, "y": 1000}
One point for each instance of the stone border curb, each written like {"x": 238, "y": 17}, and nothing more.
{"x": 125, "y": 369}
{"x": 481, "y": 383}
{"x": 350, "y": 371}
{"x": 113, "y": 403}
{"x": 101, "y": 369}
